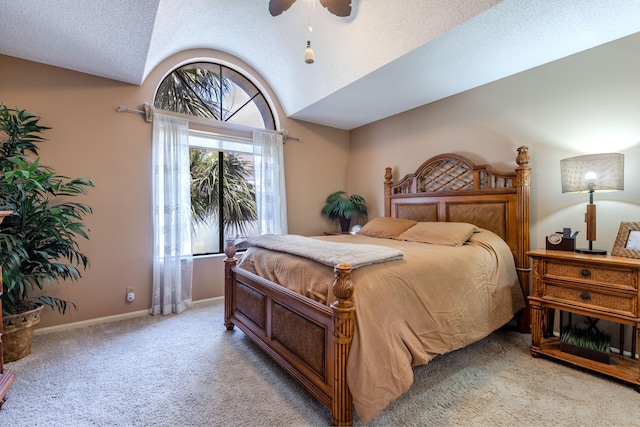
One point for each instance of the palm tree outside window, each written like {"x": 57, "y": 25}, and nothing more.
{"x": 223, "y": 199}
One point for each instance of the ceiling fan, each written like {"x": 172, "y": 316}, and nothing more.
{"x": 337, "y": 7}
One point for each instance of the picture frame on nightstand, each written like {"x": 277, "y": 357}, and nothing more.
{"x": 627, "y": 242}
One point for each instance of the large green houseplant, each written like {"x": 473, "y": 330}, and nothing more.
{"x": 343, "y": 207}
{"x": 38, "y": 242}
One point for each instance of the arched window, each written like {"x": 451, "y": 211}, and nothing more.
{"x": 223, "y": 199}
{"x": 214, "y": 91}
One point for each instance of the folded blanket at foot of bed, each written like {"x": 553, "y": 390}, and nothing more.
{"x": 328, "y": 253}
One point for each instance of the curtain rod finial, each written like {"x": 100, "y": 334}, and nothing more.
{"x": 148, "y": 112}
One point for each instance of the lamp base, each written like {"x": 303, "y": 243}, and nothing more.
{"x": 591, "y": 251}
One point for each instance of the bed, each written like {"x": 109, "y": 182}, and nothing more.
{"x": 350, "y": 335}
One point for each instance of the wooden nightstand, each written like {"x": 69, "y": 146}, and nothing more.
{"x": 597, "y": 286}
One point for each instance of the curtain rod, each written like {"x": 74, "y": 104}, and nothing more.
{"x": 148, "y": 113}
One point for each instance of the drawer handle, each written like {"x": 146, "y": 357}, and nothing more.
{"x": 585, "y": 272}
{"x": 585, "y": 296}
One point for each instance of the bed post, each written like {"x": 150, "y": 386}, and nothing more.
{"x": 523, "y": 264}
{"x": 229, "y": 295}
{"x": 343, "y": 325}
{"x": 387, "y": 191}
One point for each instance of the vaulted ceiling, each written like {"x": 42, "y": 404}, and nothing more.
{"x": 386, "y": 58}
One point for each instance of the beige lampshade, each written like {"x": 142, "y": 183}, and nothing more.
{"x": 600, "y": 172}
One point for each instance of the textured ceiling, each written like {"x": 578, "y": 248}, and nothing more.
{"x": 386, "y": 58}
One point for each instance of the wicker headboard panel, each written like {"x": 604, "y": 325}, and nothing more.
{"x": 451, "y": 188}
{"x": 488, "y": 213}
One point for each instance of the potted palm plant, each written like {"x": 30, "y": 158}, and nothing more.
{"x": 341, "y": 206}
{"x": 38, "y": 241}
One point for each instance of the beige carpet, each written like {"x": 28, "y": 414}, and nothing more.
{"x": 187, "y": 370}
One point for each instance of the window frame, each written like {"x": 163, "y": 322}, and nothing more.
{"x": 202, "y": 135}
{"x": 248, "y": 84}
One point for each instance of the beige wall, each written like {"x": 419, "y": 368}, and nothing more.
{"x": 586, "y": 103}
{"x": 89, "y": 138}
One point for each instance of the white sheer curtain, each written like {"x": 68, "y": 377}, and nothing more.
{"x": 269, "y": 181}
{"x": 172, "y": 258}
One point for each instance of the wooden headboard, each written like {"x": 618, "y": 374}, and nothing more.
{"x": 451, "y": 188}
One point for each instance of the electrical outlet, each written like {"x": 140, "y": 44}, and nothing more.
{"x": 131, "y": 296}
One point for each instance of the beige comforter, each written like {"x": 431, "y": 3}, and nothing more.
{"x": 433, "y": 301}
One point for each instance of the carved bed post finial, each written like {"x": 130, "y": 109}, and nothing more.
{"x": 523, "y": 156}
{"x": 343, "y": 286}
{"x": 343, "y": 325}
{"x": 387, "y": 191}
{"x": 523, "y": 190}
{"x": 229, "y": 301}
{"x": 387, "y": 177}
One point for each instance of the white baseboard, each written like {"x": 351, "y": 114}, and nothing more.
{"x": 106, "y": 319}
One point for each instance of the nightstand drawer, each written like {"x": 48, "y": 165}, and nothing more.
{"x": 622, "y": 304}
{"x": 625, "y": 278}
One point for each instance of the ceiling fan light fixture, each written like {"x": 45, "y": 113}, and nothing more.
{"x": 309, "y": 57}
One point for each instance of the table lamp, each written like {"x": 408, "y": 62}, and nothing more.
{"x": 592, "y": 173}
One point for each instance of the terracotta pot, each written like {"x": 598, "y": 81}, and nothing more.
{"x": 18, "y": 333}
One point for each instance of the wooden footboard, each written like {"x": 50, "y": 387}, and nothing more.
{"x": 307, "y": 339}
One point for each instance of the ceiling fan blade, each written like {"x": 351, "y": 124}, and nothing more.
{"x": 337, "y": 7}
{"x": 276, "y": 7}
